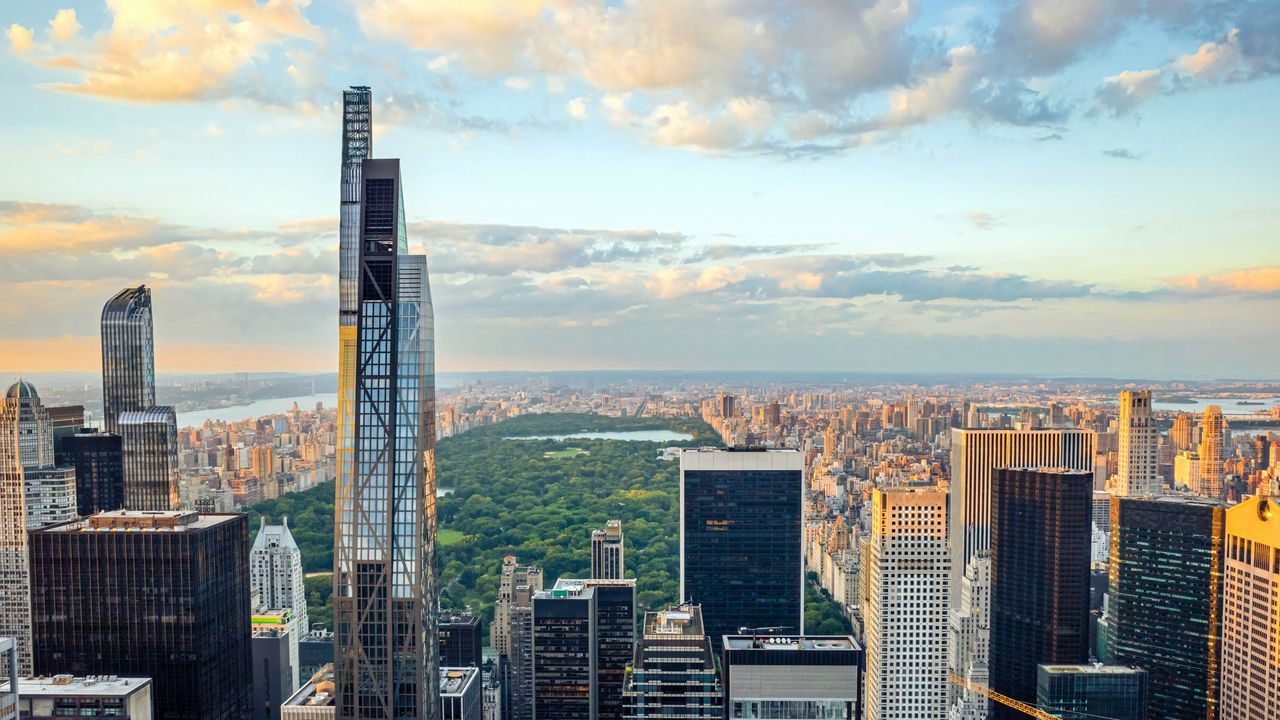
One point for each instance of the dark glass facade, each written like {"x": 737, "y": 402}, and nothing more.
{"x": 1165, "y": 596}
{"x": 1086, "y": 692}
{"x": 564, "y": 654}
{"x": 128, "y": 364}
{"x": 1040, "y": 545}
{"x": 164, "y": 596}
{"x": 384, "y": 600}
{"x": 615, "y": 632}
{"x": 149, "y": 452}
{"x": 741, "y": 539}
{"x": 459, "y": 640}
{"x": 99, "y": 463}
{"x": 64, "y": 422}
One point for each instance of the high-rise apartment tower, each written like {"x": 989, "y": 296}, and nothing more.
{"x": 1137, "y": 474}
{"x": 607, "y": 552}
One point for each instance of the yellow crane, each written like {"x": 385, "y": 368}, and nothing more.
{"x": 1031, "y": 710}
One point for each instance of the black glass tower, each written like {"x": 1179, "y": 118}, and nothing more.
{"x": 99, "y": 463}
{"x": 1165, "y": 587}
{"x": 1040, "y": 544}
{"x": 386, "y": 650}
{"x": 162, "y": 595}
{"x": 564, "y": 654}
{"x": 741, "y": 516}
{"x": 615, "y": 633}
{"x": 128, "y": 363}
{"x": 460, "y": 644}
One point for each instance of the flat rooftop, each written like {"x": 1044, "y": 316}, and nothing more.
{"x": 454, "y": 680}
{"x": 89, "y": 686}
{"x": 790, "y": 642}
{"x": 1091, "y": 669}
{"x": 143, "y": 521}
{"x": 317, "y": 692}
{"x": 679, "y": 621}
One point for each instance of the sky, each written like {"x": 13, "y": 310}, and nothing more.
{"x": 1069, "y": 187}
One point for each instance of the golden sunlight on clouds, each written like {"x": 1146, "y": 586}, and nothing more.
{"x": 1252, "y": 280}
{"x": 19, "y": 38}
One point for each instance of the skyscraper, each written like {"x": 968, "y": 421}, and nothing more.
{"x": 906, "y": 622}
{"x": 149, "y": 439}
{"x": 615, "y": 637}
{"x": 1137, "y": 453}
{"x": 741, "y": 538}
{"x": 357, "y": 146}
{"x": 607, "y": 552}
{"x": 275, "y": 572}
{"x": 460, "y": 644}
{"x": 1088, "y": 692}
{"x": 800, "y": 677}
{"x": 970, "y": 626}
{"x": 975, "y": 454}
{"x": 1251, "y": 612}
{"x": 674, "y": 672}
{"x": 163, "y": 595}
{"x": 386, "y": 650}
{"x": 1211, "y": 449}
{"x": 1165, "y": 599}
{"x": 98, "y": 459}
{"x": 1041, "y": 533}
{"x": 564, "y": 654}
{"x": 1180, "y": 433}
{"x": 9, "y": 678}
{"x": 511, "y": 635}
{"x": 128, "y": 362}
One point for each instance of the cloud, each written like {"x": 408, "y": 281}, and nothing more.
{"x": 64, "y": 26}
{"x": 982, "y": 220}
{"x": 577, "y": 108}
{"x": 19, "y": 38}
{"x": 1120, "y": 153}
{"x": 1251, "y": 281}
{"x": 1124, "y": 92}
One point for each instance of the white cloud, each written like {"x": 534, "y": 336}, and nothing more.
{"x": 519, "y": 84}
{"x": 577, "y": 108}
{"x": 1126, "y": 91}
{"x": 63, "y": 27}
{"x": 19, "y": 38}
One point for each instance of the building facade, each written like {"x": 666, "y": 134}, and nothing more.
{"x": 120, "y": 592}
{"x": 386, "y": 651}
{"x": 149, "y": 442}
{"x": 564, "y": 654}
{"x": 970, "y": 625}
{"x": 607, "y": 556}
{"x": 1212, "y": 437}
{"x": 805, "y": 677}
{"x": 615, "y": 632}
{"x": 128, "y": 361}
{"x": 460, "y": 693}
{"x": 8, "y": 678}
{"x": 64, "y": 696}
{"x": 275, "y": 572}
{"x": 98, "y": 459}
{"x": 673, "y": 673}
{"x": 1041, "y": 534}
{"x": 742, "y": 538}
{"x": 460, "y": 644}
{"x": 1137, "y": 473}
{"x": 908, "y": 601}
{"x": 1251, "y": 611}
{"x": 1165, "y": 599}
{"x": 1086, "y": 692}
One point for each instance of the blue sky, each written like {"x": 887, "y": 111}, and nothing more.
{"x": 1072, "y": 187}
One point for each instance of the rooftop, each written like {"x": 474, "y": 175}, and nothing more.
{"x": 454, "y": 680}
{"x": 1092, "y": 669}
{"x": 316, "y": 692}
{"x": 143, "y": 521}
{"x": 679, "y": 620}
{"x": 793, "y": 642}
{"x": 91, "y": 686}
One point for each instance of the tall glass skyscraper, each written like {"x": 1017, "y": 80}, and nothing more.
{"x": 128, "y": 362}
{"x": 386, "y": 653}
{"x": 150, "y": 458}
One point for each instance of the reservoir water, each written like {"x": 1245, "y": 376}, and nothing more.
{"x": 642, "y": 435}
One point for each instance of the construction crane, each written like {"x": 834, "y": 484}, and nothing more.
{"x": 1030, "y": 710}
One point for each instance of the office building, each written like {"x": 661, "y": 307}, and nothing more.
{"x": 516, "y": 586}
{"x": 1181, "y": 432}
{"x": 1165, "y": 599}
{"x": 460, "y": 644}
{"x": 564, "y": 654}
{"x": 275, "y": 572}
{"x": 741, "y": 538}
{"x": 460, "y": 693}
{"x": 314, "y": 700}
{"x": 615, "y": 633}
{"x": 384, "y": 601}
{"x": 1186, "y": 471}
{"x": 99, "y": 696}
{"x": 128, "y": 362}
{"x": 149, "y": 442}
{"x": 64, "y": 422}
{"x": 1086, "y": 692}
{"x": 1212, "y": 436}
{"x": 673, "y": 673}
{"x": 803, "y": 677}
{"x": 975, "y": 454}
{"x": 8, "y": 678}
{"x": 970, "y": 627}
{"x": 315, "y": 650}
{"x": 33, "y": 492}
{"x": 1040, "y": 541}
{"x": 1251, "y": 611}
{"x": 98, "y": 459}
{"x": 607, "y": 552}
{"x": 908, "y": 601}
{"x": 120, "y": 592}
{"x": 274, "y": 649}
{"x": 511, "y": 635}
{"x": 1137, "y": 473}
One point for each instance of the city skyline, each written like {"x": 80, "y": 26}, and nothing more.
{"x": 974, "y": 187}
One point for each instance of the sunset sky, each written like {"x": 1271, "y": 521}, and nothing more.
{"x": 1080, "y": 187}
